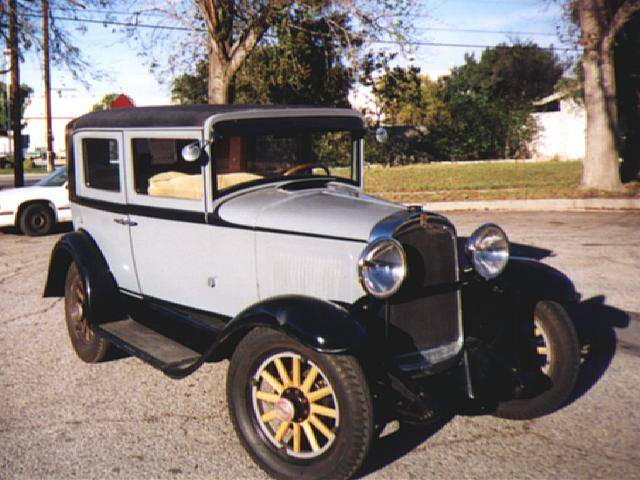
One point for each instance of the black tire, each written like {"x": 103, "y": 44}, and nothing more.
{"x": 90, "y": 347}
{"x": 36, "y": 220}
{"x": 561, "y": 364}
{"x": 352, "y": 427}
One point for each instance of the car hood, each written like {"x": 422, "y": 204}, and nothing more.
{"x": 327, "y": 209}
{"x": 13, "y": 196}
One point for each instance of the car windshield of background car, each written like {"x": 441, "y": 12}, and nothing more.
{"x": 54, "y": 179}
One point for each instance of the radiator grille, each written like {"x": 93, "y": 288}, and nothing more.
{"x": 425, "y": 313}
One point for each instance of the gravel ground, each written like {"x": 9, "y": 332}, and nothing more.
{"x": 60, "y": 418}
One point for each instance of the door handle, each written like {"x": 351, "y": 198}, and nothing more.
{"x": 124, "y": 221}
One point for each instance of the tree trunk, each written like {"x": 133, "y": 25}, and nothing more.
{"x": 219, "y": 79}
{"x": 600, "y": 166}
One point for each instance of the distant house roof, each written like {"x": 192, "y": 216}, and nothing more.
{"x": 122, "y": 101}
{"x": 196, "y": 115}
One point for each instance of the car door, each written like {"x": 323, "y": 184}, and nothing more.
{"x": 169, "y": 234}
{"x": 99, "y": 204}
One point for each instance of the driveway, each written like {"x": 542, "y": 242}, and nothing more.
{"x": 60, "y": 418}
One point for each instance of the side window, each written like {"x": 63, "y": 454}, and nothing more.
{"x": 160, "y": 171}
{"x": 101, "y": 163}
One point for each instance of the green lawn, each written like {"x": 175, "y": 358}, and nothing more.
{"x": 471, "y": 181}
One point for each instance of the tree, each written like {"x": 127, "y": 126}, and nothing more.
{"x": 488, "y": 102}
{"x": 628, "y": 96}
{"x": 25, "y": 93}
{"x": 303, "y": 65}
{"x": 63, "y": 51}
{"x": 230, "y": 30}
{"x": 399, "y": 91}
{"x": 105, "y": 102}
{"x": 599, "y": 22}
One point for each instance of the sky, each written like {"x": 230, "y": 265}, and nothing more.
{"x": 438, "y": 21}
{"x": 443, "y": 22}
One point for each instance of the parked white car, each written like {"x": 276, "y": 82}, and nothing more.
{"x": 35, "y": 210}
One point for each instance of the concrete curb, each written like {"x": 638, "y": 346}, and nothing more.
{"x": 548, "y": 205}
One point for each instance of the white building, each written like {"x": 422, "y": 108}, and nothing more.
{"x": 562, "y": 124}
{"x": 65, "y": 106}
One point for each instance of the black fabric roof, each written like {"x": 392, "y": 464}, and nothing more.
{"x": 165, "y": 116}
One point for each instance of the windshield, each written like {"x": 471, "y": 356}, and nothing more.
{"x": 54, "y": 179}
{"x": 286, "y": 154}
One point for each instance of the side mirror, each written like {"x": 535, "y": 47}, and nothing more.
{"x": 191, "y": 152}
{"x": 382, "y": 135}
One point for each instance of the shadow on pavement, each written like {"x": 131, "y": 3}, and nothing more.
{"x": 595, "y": 323}
{"x": 390, "y": 448}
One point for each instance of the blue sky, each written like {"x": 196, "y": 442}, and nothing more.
{"x": 439, "y": 21}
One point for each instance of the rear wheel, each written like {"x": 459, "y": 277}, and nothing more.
{"x": 89, "y": 347}
{"x": 555, "y": 364}
{"x": 299, "y": 413}
{"x": 36, "y": 219}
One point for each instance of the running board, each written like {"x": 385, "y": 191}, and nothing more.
{"x": 148, "y": 345}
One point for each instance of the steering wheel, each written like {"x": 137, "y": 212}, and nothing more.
{"x": 306, "y": 166}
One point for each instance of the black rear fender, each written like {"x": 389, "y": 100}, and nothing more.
{"x": 100, "y": 286}
{"x": 318, "y": 324}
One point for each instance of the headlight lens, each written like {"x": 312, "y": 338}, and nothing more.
{"x": 382, "y": 268}
{"x": 488, "y": 248}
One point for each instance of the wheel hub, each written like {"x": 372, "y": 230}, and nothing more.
{"x": 285, "y": 410}
{"x": 299, "y": 404}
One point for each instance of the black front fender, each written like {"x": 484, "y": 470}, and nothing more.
{"x": 99, "y": 284}
{"x": 525, "y": 278}
{"x": 318, "y": 324}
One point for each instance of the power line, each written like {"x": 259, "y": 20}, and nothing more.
{"x": 435, "y": 29}
{"x": 471, "y": 30}
{"x": 417, "y": 43}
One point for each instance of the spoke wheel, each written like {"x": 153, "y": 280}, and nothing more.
{"x": 544, "y": 351}
{"x": 89, "y": 347}
{"x": 556, "y": 364}
{"x": 295, "y": 405}
{"x": 299, "y": 413}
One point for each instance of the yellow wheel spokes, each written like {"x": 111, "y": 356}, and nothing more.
{"x": 311, "y": 437}
{"x": 308, "y": 382}
{"x": 277, "y": 386}
{"x": 295, "y": 405}
{"x": 543, "y": 349}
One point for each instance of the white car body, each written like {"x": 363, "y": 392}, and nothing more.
{"x": 13, "y": 200}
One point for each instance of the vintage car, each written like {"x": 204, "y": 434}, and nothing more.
{"x": 210, "y": 232}
{"x": 36, "y": 210}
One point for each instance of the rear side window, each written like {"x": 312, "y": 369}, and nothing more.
{"x": 160, "y": 171}
{"x": 101, "y": 163}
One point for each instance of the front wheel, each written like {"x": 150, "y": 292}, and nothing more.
{"x": 556, "y": 361}
{"x": 299, "y": 413}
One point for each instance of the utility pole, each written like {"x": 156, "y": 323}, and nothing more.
{"x": 16, "y": 113}
{"x": 47, "y": 84}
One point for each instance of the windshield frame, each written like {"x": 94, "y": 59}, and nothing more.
{"x": 357, "y": 156}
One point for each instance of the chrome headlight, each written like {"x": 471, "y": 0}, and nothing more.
{"x": 382, "y": 268}
{"x": 488, "y": 249}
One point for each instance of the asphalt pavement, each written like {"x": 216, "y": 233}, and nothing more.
{"x": 61, "y": 418}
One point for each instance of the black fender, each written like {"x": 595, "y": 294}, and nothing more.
{"x": 526, "y": 278}
{"x": 100, "y": 285}
{"x": 318, "y": 324}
